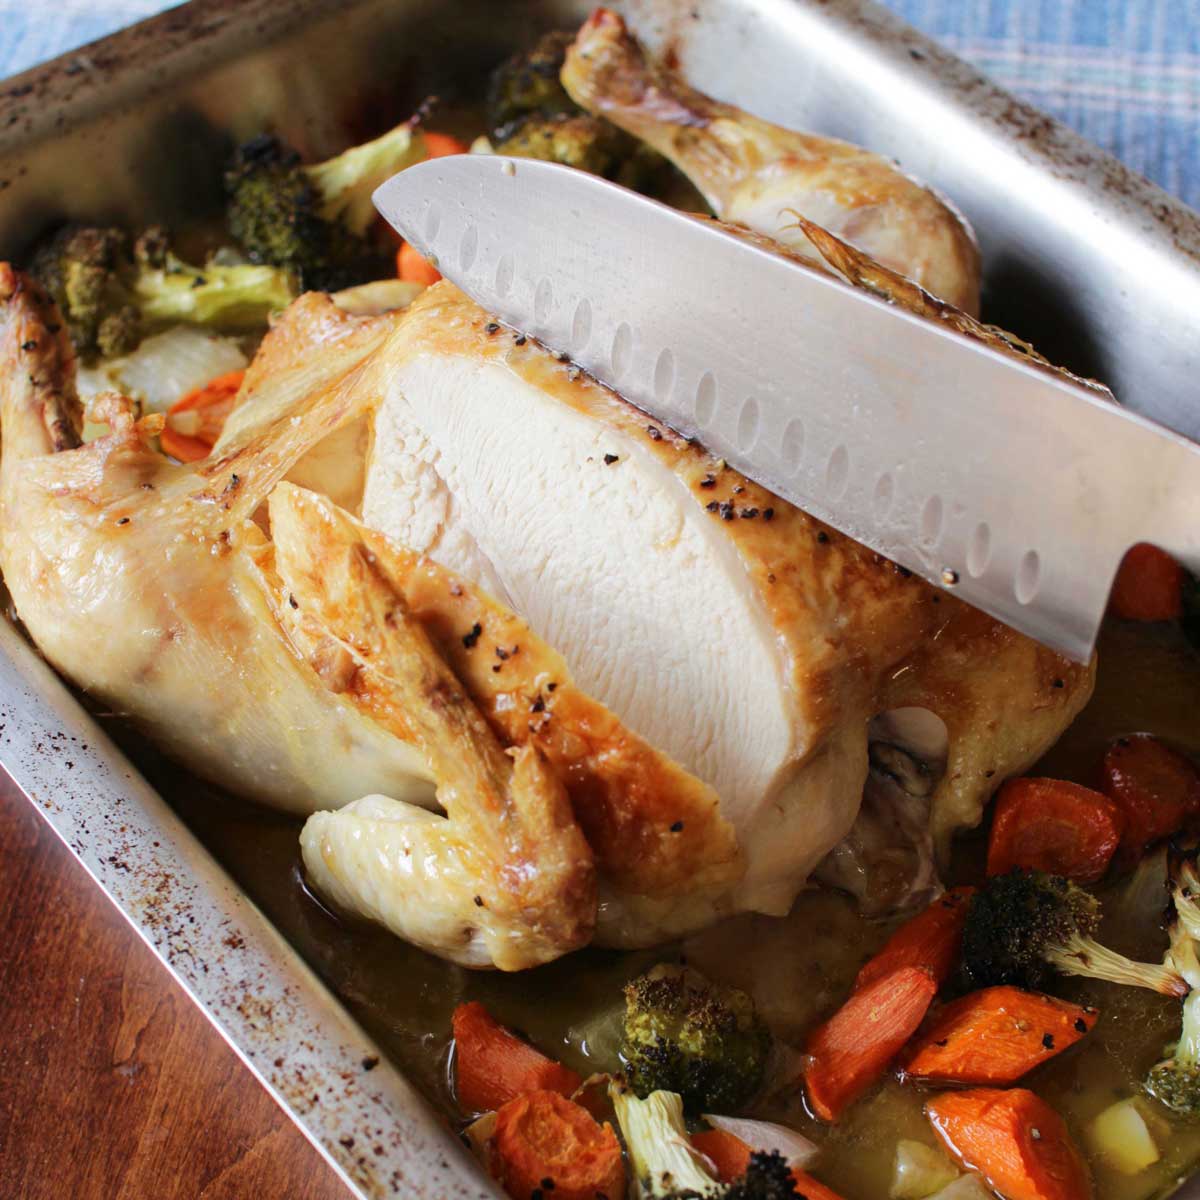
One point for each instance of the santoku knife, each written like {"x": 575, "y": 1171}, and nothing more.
{"x": 1018, "y": 490}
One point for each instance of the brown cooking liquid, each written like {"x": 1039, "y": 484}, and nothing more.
{"x": 799, "y": 968}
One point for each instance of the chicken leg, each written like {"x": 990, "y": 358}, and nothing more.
{"x": 757, "y": 174}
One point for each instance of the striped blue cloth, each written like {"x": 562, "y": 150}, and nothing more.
{"x": 1124, "y": 73}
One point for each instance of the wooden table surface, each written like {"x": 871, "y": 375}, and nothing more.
{"x": 113, "y": 1086}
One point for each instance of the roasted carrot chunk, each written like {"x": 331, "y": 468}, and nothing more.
{"x": 194, "y": 423}
{"x": 412, "y": 268}
{"x": 726, "y": 1151}
{"x": 808, "y": 1188}
{"x": 1053, "y": 826}
{"x": 931, "y": 940}
{"x": 1148, "y": 586}
{"x": 731, "y": 1156}
{"x": 546, "y": 1144}
{"x": 995, "y": 1036}
{"x": 1156, "y": 788}
{"x": 855, "y": 1046}
{"x": 1015, "y": 1140}
{"x": 438, "y": 145}
{"x": 493, "y": 1066}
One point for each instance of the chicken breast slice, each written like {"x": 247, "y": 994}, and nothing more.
{"x": 741, "y": 637}
{"x": 761, "y": 175}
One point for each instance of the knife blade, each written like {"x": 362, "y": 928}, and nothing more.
{"x": 1018, "y": 490}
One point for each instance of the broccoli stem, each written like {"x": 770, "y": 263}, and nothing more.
{"x": 660, "y": 1151}
{"x": 1080, "y": 955}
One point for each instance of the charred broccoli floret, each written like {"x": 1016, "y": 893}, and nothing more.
{"x": 530, "y": 115}
{"x": 528, "y": 83}
{"x": 112, "y": 291}
{"x": 685, "y": 1034}
{"x": 1175, "y": 1081}
{"x": 86, "y": 270}
{"x": 313, "y": 220}
{"x": 582, "y": 141}
{"x": 667, "y": 1168}
{"x": 1024, "y": 925}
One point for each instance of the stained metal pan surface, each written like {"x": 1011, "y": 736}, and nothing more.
{"x": 1097, "y": 266}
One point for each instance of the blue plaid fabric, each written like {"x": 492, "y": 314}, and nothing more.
{"x": 1124, "y": 73}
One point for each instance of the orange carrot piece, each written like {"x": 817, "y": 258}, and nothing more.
{"x": 1156, "y": 788}
{"x": 932, "y": 940}
{"x": 728, "y": 1153}
{"x": 438, "y": 145}
{"x": 995, "y": 1036}
{"x": 191, "y": 437}
{"x": 1015, "y": 1140}
{"x": 1053, "y": 826}
{"x": 412, "y": 268}
{"x": 494, "y": 1066}
{"x": 546, "y": 1144}
{"x": 1148, "y": 586}
{"x": 854, "y": 1047}
{"x": 808, "y": 1188}
{"x": 731, "y": 1156}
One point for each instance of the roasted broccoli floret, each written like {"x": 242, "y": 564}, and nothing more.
{"x": 530, "y": 115}
{"x": 666, "y": 1166}
{"x": 589, "y": 143}
{"x": 1176, "y": 1080}
{"x": 169, "y": 291}
{"x": 685, "y": 1034}
{"x": 768, "y": 1177}
{"x": 313, "y": 220}
{"x": 528, "y": 83}
{"x": 1023, "y": 926}
{"x": 111, "y": 292}
{"x": 85, "y": 270}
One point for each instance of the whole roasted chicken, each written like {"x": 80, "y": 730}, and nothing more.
{"x": 539, "y": 671}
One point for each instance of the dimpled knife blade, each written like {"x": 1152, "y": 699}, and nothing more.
{"x": 1015, "y": 489}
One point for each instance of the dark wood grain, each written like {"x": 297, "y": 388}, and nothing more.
{"x": 112, "y": 1084}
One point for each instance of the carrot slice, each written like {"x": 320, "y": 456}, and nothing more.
{"x": 995, "y": 1036}
{"x": 438, "y": 145}
{"x": 1016, "y": 1141}
{"x": 546, "y": 1144}
{"x": 412, "y": 268}
{"x": 194, "y": 423}
{"x": 1053, "y": 826}
{"x": 808, "y": 1188}
{"x": 493, "y": 1065}
{"x": 731, "y": 1156}
{"x": 1148, "y": 586}
{"x": 854, "y": 1047}
{"x": 1156, "y": 788}
{"x": 932, "y": 940}
{"x": 727, "y": 1152}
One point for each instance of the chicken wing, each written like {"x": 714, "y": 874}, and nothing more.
{"x": 762, "y": 175}
{"x": 148, "y": 584}
{"x": 506, "y": 877}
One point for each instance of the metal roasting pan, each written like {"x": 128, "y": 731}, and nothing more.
{"x": 1097, "y": 266}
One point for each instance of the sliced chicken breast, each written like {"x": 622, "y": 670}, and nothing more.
{"x": 741, "y": 637}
